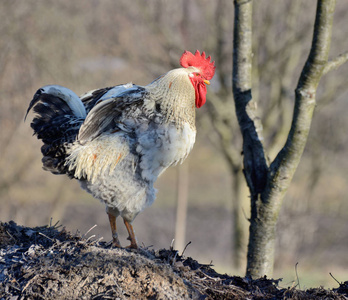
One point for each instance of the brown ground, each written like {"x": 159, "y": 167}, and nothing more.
{"x": 49, "y": 263}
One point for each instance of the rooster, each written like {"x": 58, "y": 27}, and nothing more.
{"x": 116, "y": 141}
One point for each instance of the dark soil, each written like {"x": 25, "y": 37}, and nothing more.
{"x": 49, "y": 263}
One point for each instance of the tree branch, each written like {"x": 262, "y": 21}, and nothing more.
{"x": 255, "y": 166}
{"x": 286, "y": 162}
{"x": 336, "y": 63}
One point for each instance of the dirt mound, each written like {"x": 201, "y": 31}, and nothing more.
{"x": 49, "y": 263}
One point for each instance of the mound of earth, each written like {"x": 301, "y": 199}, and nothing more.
{"x": 50, "y": 263}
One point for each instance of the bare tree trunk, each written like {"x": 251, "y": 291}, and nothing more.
{"x": 255, "y": 165}
{"x": 269, "y": 183}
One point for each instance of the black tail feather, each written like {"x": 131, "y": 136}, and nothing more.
{"x": 57, "y": 126}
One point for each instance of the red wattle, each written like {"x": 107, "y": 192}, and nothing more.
{"x": 200, "y": 92}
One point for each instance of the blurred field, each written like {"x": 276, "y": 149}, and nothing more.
{"x": 90, "y": 44}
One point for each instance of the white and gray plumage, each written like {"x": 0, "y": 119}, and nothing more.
{"x": 116, "y": 141}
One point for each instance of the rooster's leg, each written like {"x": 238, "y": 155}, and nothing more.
{"x": 131, "y": 235}
{"x": 115, "y": 240}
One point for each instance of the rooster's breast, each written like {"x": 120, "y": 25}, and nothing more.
{"x": 161, "y": 146}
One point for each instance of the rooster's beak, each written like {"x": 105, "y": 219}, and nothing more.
{"x": 206, "y": 82}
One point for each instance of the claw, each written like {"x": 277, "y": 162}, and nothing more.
{"x": 132, "y": 246}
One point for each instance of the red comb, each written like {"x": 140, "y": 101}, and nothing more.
{"x": 200, "y": 62}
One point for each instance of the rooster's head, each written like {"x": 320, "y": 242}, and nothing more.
{"x": 202, "y": 71}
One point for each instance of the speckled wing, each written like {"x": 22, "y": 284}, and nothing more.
{"x": 105, "y": 139}
{"x": 107, "y": 115}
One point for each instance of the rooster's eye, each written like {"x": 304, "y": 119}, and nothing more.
{"x": 194, "y": 74}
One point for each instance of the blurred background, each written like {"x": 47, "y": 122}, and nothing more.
{"x": 85, "y": 45}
